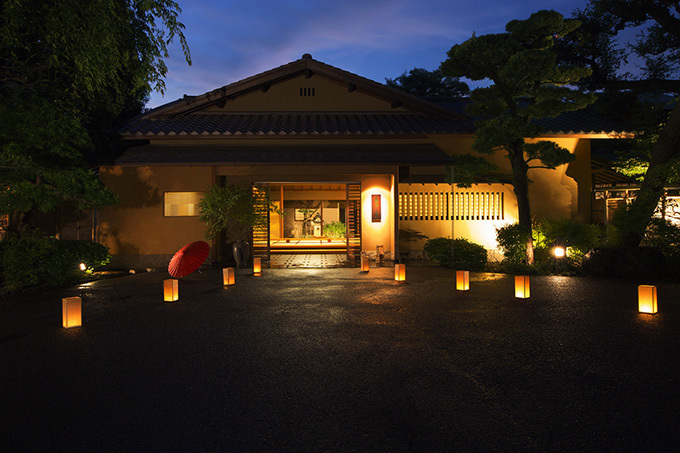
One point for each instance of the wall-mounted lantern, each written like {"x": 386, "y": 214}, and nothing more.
{"x": 376, "y": 208}
{"x": 170, "y": 290}
{"x": 647, "y": 299}
{"x": 400, "y": 272}
{"x": 522, "y": 287}
{"x": 71, "y": 312}
{"x": 462, "y": 280}
{"x": 228, "y": 276}
{"x": 257, "y": 266}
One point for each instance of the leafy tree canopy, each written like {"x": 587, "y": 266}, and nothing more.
{"x": 424, "y": 83}
{"x": 528, "y": 84}
{"x": 69, "y": 71}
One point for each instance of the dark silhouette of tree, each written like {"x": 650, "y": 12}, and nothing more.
{"x": 424, "y": 83}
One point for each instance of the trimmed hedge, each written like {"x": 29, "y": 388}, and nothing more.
{"x": 34, "y": 260}
{"x": 466, "y": 254}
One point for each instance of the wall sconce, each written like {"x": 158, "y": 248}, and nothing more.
{"x": 647, "y": 299}
{"x": 257, "y": 266}
{"x": 71, "y": 312}
{"x": 170, "y": 290}
{"x": 365, "y": 266}
{"x": 228, "y": 276}
{"x": 400, "y": 272}
{"x": 462, "y": 280}
{"x": 376, "y": 208}
{"x": 522, "y": 287}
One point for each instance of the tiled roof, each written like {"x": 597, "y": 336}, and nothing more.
{"x": 313, "y": 123}
{"x": 334, "y": 123}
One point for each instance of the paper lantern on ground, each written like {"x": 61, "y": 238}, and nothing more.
{"x": 228, "y": 276}
{"x": 522, "y": 287}
{"x": 647, "y": 299}
{"x": 71, "y": 312}
{"x": 400, "y": 272}
{"x": 365, "y": 264}
{"x": 170, "y": 290}
{"x": 462, "y": 280}
{"x": 257, "y": 266}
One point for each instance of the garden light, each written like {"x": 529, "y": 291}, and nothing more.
{"x": 170, "y": 290}
{"x": 462, "y": 280}
{"x": 400, "y": 272}
{"x": 71, "y": 312}
{"x": 647, "y": 299}
{"x": 522, "y": 287}
{"x": 228, "y": 276}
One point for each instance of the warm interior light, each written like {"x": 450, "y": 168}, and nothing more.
{"x": 71, "y": 312}
{"x": 228, "y": 276}
{"x": 257, "y": 265}
{"x": 559, "y": 252}
{"x": 83, "y": 266}
{"x": 400, "y": 272}
{"x": 522, "y": 287}
{"x": 462, "y": 280}
{"x": 647, "y": 299}
{"x": 365, "y": 266}
{"x": 170, "y": 290}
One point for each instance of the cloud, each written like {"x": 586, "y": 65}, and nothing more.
{"x": 374, "y": 38}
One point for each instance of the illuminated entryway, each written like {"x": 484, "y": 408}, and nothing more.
{"x": 314, "y": 219}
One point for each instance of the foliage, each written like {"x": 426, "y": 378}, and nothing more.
{"x": 33, "y": 259}
{"x": 528, "y": 84}
{"x": 578, "y": 239}
{"x": 70, "y": 71}
{"x": 466, "y": 254}
{"x": 467, "y": 169}
{"x": 335, "y": 229}
{"x": 664, "y": 236}
{"x": 424, "y": 83}
{"x": 234, "y": 209}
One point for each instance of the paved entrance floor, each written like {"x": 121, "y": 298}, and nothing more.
{"x": 338, "y": 360}
{"x": 307, "y": 260}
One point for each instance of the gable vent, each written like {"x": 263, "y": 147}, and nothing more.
{"x": 307, "y": 92}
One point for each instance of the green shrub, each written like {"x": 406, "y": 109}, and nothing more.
{"x": 334, "y": 230}
{"x": 31, "y": 260}
{"x": 512, "y": 240}
{"x": 466, "y": 254}
{"x": 664, "y": 236}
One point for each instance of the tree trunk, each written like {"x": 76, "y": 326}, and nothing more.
{"x": 642, "y": 209}
{"x": 520, "y": 182}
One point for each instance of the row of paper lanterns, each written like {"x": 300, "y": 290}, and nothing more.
{"x": 71, "y": 306}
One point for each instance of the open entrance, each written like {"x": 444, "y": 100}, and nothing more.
{"x": 318, "y": 220}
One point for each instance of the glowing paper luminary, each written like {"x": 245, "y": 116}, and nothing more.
{"x": 522, "y": 287}
{"x": 647, "y": 299}
{"x": 228, "y": 276}
{"x": 71, "y": 312}
{"x": 170, "y": 290}
{"x": 400, "y": 272}
{"x": 257, "y": 266}
{"x": 462, "y": 280}
{"x": 365, "y": 264}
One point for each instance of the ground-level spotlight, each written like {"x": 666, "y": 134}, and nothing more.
{"x": 462, "y": 280}
{"x": 522, "y": 289}
{"x": 400, "y": 272}
{"x": 257, "y": 266}
{"x": 228, "y": 276}
{"x": 71, "y": 312}
{"x": 647, "y": 299}
{"x": 170, "y": 290}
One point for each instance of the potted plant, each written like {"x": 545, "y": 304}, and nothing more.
{"x": 233, "y": 209}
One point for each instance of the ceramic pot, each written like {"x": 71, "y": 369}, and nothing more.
{"x": 241, "y": 251}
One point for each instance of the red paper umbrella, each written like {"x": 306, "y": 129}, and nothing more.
{"x": 188, "y": 259}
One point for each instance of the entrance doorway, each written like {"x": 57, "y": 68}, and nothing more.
{"x": 314, "y": 219}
